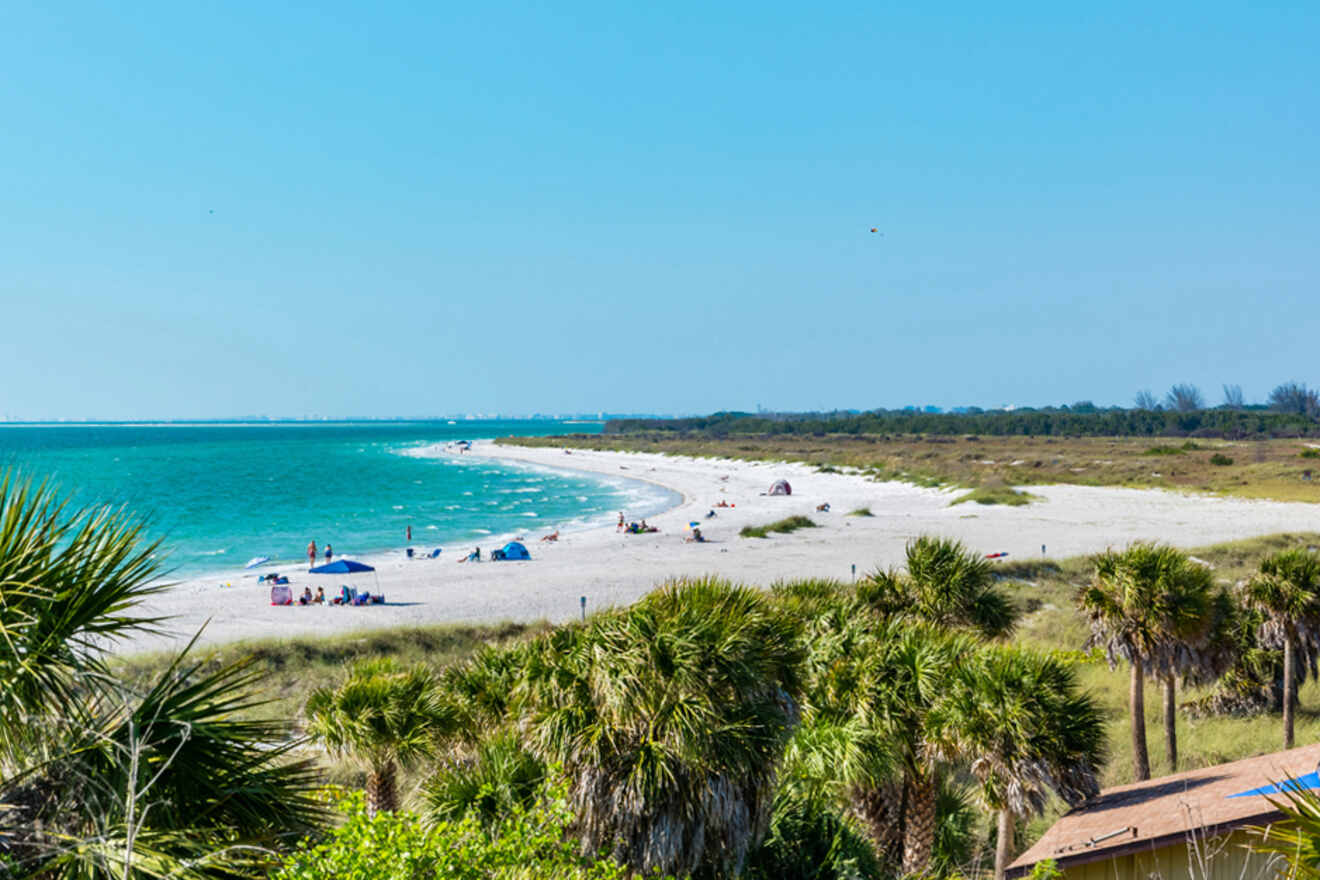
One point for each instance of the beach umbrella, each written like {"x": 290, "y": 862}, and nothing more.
{"x": 346, "y": 566}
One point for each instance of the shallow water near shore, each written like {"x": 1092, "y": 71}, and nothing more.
{"x": 218, "y": 495}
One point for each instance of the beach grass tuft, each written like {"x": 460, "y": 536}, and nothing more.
{"x": 996, "y": 495}
{"x": 783, "y": 526}
{"x": 861, "y": 511}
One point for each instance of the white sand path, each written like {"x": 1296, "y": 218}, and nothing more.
{"x": 611, "y": 568}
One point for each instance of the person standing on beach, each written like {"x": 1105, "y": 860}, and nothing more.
{"x": 329, "y": 554}
{"x": 311, "y": 555}
{"x": 408, "y": 535}
{"x": 620, "y": 528}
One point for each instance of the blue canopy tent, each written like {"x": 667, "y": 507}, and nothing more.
{"x": 346, "y": 566}
{"x": 512, "y": 550}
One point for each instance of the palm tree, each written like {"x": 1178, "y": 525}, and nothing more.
{"x": 1028, "y": 730}
{"x": 1156, "y": 609}
{"x": 945, "y": 584}
{"x": 1287, "y": 592}
{"x": 669, "y": 719}
{"x": 384, "y": 717}
{"x": 100, "y": 778}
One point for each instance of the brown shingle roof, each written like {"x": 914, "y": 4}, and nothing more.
{"x": 1155, "y": 813}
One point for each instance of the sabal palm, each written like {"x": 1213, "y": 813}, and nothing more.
{"x": 1028, "y": 730}
{"x": 872, "y": 718}
{"x": 1154, "y": 608}
{"x": 69, "y": 579}
{"x": 943, "y": 583}
{"x": 98, "y": 778}
{"x": 1287, "y": 592}
{"x": 669, "y": 719}
{"x": 382, "y": 716}
{"x": 180, "y": 781}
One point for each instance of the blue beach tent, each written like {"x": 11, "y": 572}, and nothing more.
{"x": 514, "y": 550}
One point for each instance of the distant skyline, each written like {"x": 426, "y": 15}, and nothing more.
{"x": 408, "y": 209}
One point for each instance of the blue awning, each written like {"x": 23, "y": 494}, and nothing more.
{"x": 1310, "y": 780}
{"x": 341, "y": 566}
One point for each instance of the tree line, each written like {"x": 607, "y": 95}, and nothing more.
{"x": 1292, "y": 410}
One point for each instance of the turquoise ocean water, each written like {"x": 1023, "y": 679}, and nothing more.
{"x": 220, "y": 495}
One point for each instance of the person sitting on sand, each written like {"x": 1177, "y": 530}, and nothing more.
{"x": 320, "y": 596}
{"x": 552, "y": 537}
{"x": 474, "y": 556}
{"x": 697, "y": 537}
{"x": 823, "y": 508}
{"x": 306, "y": 597}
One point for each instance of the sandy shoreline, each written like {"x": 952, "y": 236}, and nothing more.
{"x": 610, "y": 568}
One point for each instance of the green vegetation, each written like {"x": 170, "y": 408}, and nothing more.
{"x": 1309, "y": 453}
{"x": 98, "y": 779}
{"x": 1287, "y": 594}
{"x": 996, "y": 495}
{"x": 1163, "y": 450}
{"x": 880, "y": 727}
{"x": 1054, "y": 422}
{"x": 783, "y": 527}
{"x": 1265, "y": 468}
{"x": 1220, "y": 460}
{"x": 861, "y": 511}
{"x": 531, "y": 842}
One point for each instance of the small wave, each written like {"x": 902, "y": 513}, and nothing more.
{"x": 398, "y": 506}
{"x": 529, "y": 489}
{"x": 529, "y": 513}
{"x": 432, "y": 528}
{"x": 481, "y": 531}
{"x": 213, "y": 552}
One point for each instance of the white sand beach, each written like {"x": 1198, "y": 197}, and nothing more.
{"x": 611, "y": 568}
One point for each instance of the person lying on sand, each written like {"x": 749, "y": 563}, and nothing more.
{"x": 823, "y": 508}
{"x": 552, "y": 537}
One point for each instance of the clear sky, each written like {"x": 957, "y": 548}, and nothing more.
{"x": 386, "y": 208}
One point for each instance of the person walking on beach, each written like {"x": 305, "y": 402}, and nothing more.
{"x": 311, "y": 555}
{"x": 408, "y": 535}
{"x": 329, "y": 554}
{"x": 620, "y": 528}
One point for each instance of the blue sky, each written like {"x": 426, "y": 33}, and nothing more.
{"x": 389, "y": 208}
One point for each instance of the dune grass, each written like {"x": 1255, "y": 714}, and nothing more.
{"x": 996, "y": 495}
{"x": 861, "y": 511}
{"x": 783, "y": 526}
{"x": 297, "y": 666}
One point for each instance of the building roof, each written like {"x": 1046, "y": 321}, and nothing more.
{"x": 1153, "y": 814}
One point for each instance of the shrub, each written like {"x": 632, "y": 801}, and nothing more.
{"x": 996, "y": 495}
{"x": 783, "y": 526}
{"x": 1163, "y": 450}
{"x": 1220, "y": 459}
{"x": 400, "y": 846}
{"x": 1310, "y": 453}
{"x": 866, "y": 511}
